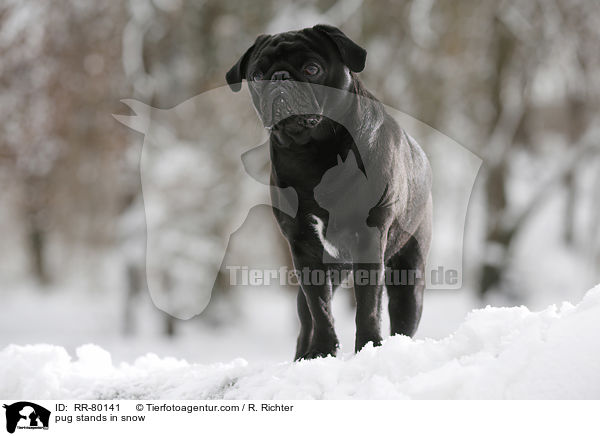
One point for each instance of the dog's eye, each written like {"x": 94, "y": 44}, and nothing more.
{"x": 311, "y": 69}
{"x": 257, "y": 75}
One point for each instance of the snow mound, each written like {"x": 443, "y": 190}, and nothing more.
{"x": 497, "y": 353}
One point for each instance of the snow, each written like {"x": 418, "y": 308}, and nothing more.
{"x": 496, "y": 353}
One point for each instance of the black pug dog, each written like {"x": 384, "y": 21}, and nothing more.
{"x": 363, "y": 184}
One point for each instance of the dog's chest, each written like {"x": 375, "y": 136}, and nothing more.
{"x": 330, "y": 205}
{"x": 321, "y": 235}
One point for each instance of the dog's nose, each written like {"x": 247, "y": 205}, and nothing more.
{"x": 280, "y": 75}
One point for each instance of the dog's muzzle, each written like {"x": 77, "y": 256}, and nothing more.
{"x": 291, "y": 103}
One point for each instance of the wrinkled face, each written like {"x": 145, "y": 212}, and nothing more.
{"x": 280, "y": 72}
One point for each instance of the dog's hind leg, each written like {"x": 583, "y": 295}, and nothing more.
{"x": 305, "y": 334}
{"x": 405, "y": 283}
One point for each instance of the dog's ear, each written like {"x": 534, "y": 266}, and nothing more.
{"x": 353, "y": 55}
{"x": 237, "y": 73}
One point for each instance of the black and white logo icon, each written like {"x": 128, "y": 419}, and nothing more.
{"x": 26, "y": 415}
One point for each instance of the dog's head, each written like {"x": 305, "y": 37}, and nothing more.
{"x": 280, "y": 70}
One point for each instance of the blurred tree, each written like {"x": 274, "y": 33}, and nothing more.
{"x": 57, "y": 141}
{"x": 503, "y": 78}
{"x": 515, "y": 82}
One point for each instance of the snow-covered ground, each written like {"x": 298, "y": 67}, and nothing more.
{"x": 501, "y": 353}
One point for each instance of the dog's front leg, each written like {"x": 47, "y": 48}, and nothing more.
{"x": 368, "y": 284}
{"x": 306, "y": 326}
{"x": 316, "y": 286}
{"x": 368, "y": 273}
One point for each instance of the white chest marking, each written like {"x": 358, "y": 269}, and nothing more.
{"x": 318, "y": 226}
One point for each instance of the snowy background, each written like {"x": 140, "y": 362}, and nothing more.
{"x": 515, "y": 84}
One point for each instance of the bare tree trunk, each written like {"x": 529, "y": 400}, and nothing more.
{"x": 595, "y": 225}
{"x": 169, "y": 325}
{"x": 577, "y": 122}
{"x": 169, "y": 321}
{"x": 37, "y": 249}
{"x": 496, "y": 241}
{"x": 134, "y": 285}
{"x": 35, "y": 227}
{"x": 570, "y": 205}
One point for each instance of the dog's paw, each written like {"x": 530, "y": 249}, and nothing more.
{"x": 361, "y": 342}
{"x": 315, "y": 353}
